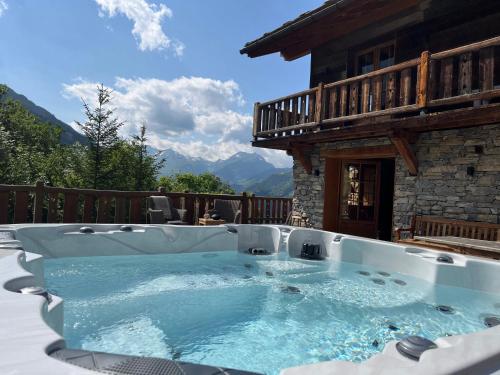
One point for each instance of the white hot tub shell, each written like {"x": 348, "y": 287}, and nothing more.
{"x": 31, "y": 325}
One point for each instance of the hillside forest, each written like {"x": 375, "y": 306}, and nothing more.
{"x": 31, "y": 150}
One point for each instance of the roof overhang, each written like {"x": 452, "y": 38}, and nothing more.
{"x": 334, "y": 19}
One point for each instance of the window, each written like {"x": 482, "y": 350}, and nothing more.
{"x": 372, "y": 59}
{"x": 375, "y": 58}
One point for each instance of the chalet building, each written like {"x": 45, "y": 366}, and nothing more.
{"x": 402, "y": 116}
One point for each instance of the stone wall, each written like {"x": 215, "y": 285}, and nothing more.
{"x": 442, "y": 186}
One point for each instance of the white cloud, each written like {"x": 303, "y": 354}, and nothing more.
{"x": 3, "y": 7}
{"x": 147, "y": 19}
{"x": 193, "y": 115}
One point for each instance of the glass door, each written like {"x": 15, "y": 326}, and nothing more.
{"x": 359, "y": 193}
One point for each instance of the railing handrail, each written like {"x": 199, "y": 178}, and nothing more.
{"x": 375, "y": 73}
{"x": 131, "y": 193}
{"x": 300, "y": 93}
{"x": 467, "y": 48}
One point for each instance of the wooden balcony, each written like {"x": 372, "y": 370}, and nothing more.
{"x": 454, "y": 88}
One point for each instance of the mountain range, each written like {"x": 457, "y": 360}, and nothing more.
{"x": 243, "y": 171}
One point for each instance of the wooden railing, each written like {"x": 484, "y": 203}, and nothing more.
{"x": 46, "y": 204}
{"x": 458, "y": 76}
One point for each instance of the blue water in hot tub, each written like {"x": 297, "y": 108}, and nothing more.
{"x": 260, "y": 313}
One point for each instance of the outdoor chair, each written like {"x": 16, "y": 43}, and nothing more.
{"x": 228, "y": 210}
{"x": 161, "y": 210}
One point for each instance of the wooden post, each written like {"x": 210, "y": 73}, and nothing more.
{"x": 311, "y": 108}
{"x": 377, "y": 93}
{"x": 446, "y": 78}
{"x": 4, "y": 207}
{"x": 332, "y": 106}
{"x": 70, "y": 210}
{"x": 465, "y": 73}
{"x": 286, "y": 113}
{"x": 272, "y": 116}
{"x": 432, "y": 86}
{"x": 405, "y": 87}
{"x": 256, "y": 119}
{"x": 423, "y": 79}
{"x": 21, "y": 207}
{"x": 318, "y": 114}
{"x": 52, "y": 214}
{"x": 295, "y": 110}
{"x": 120, "y": 210}
{"x": 38, "y": 206}
{"x": 302, "y": 118}
{"x": 190, "y": 207}
{"x": 88, "y": 208}
{"x": 486, "y": 68}
{"x": 390, "y": 94}
{"x": 135, "y": 210}
{"x": 103, "y": 209}
{"x": 251, "y": 207}
{"x": 244, "y": 208}
{"x": 365, "y": 96}
{"x": 343, "y": 101}
{"x": 354, "y": 98}
{"x": 400, "y": 141}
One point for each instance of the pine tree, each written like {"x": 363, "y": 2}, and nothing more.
{"x": 101, "y": 128}
{"x": 146, "y": 166}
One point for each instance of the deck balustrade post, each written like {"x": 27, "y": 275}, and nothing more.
{"x": 423, "y": 79}
{"x": 38, "y": 205}
{"x": 244, "y": 208}
{"x": 319, "y": 104}
{"x": 256, "y": 119}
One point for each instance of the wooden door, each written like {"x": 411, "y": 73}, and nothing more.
{"x": 352, "y": 197}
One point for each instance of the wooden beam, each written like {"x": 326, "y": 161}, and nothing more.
{"x": 400, "y": 141}
{"x": 301, "y": 153}
{"x": 373, "y": 152}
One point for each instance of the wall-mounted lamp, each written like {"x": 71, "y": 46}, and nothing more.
{"x": 470, "y": 171}
{"x": 316, "y": 172}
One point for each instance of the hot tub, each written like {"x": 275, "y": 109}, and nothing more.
{"x": 242, "y": 296}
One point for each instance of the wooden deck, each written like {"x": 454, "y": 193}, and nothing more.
{"x": 454, "y": 88}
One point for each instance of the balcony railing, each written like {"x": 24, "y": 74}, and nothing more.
{"x": 47, "y": 204}
{"x": 454, "y": 77}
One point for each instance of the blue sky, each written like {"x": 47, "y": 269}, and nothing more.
{"x": 173, "y": 64}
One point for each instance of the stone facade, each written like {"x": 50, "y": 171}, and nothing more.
{"x": 442, "y": 187}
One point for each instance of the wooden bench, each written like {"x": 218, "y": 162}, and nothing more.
{"x": 440, "y": 226}
{"x": 425, "y": 229}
